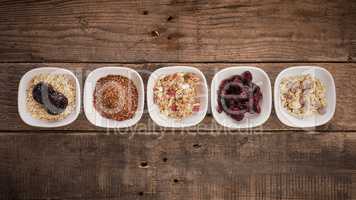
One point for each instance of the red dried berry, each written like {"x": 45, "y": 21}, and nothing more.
{"x": 257, "y": 108}
{"x": 238, "y": 117}
{"x": 219, "y": 109}
{"x": 174, "y": 108}
{"x": 237, "y": 95}
{"x": 247, "y": 76}
{"x": 171, "y": 92}
{"x": 196, "y": 108}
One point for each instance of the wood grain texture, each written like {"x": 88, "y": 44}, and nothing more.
{"x": 177, "y": 31}
{"x": 178, "y": 166}
{"x": 204, "y": 162}
{"x": 344, "y": 75}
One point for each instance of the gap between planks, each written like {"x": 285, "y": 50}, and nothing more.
{"x": 179, "y": 62}
{"x": 168, "y": 132}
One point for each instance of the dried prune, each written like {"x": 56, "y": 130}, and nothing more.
{"x": 53, "y": 102}
{"x": 41, "y": 91}
{"x": 238, "y": 95}
{"x": 58, "y": 100}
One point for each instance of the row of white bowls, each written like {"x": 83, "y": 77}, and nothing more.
{"x": 260, "y": 78}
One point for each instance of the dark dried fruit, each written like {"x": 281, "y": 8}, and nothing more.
{"x": 54, "y": 102}
{"x": 238, "y": 95}
{"x": 41, "y": 90}
{"x": 247, "y": 76}
{"x": 238, "y": 117}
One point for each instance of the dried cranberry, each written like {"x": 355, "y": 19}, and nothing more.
{"x": 196, "y": 108}
{"x": 256, "y": 89}
{"x": 244, "y": 95}
{"x": 237, "y": 79}
{"x": 174, "y": 108}
{"x": 171, "y": 92}
{"x": 219, "y": 109}
{"x": 237, "y": 117}
{"x": 257, "y": 108}
{"x": 247, "y": 76}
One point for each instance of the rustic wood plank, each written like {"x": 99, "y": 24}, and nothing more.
{"x": 344, "y": 75}
{"x": 177, "y": 166}
{"x": 177, "y": 31}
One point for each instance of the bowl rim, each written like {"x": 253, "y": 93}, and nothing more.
{"x": 175, "y": 69}
{"x": 280, "y": 112}
{"x": 113, "y": 68}
{"x": 22, "y": 86}
{"x": 214, "y": 90}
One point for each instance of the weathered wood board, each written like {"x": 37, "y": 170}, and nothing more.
{"x": 203, "y": 162}
{"x": 177, "y": 166}
{"x": 177, "y": 30}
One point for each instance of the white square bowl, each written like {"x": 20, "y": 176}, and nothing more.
{"x": 260, "y": 78}
{"x": 311, "y": 121}
{"x": 165, "y": 121}
{"x": 93, "y": 115}
{"x": 22, "y": 94}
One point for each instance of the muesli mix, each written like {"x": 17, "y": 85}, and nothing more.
{"x": 303, "y": 95}
{"x": 177, "y": 95}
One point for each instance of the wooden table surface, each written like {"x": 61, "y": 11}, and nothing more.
{"x": 203, "y": 162}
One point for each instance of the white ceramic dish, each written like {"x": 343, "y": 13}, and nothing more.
{"x": 260, "y": 78}
{"x": 316, "y": 120}
{"x": 165, "y": 121}
{"x": 90, "y": 112}
{"x": 23, "y": 86}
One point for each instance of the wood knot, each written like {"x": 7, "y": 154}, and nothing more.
{"x": 155, "y": 34}
{"x": 197, "y": 146}
{"x": 243, "y": 141}
{"x": 143, "y": 164}
{"x": 349, "y": 58}
{"x": 170, "y": 18}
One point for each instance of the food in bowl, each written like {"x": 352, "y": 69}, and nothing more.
{"x": 177, "y": 95}
{"x": 116, "y": 97}
{"x": 303, "y": 95}
{"x": 51, "y": 97}
{"x": 238, "y": 95}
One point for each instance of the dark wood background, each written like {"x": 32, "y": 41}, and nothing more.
{"x": 204, "y": 162}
